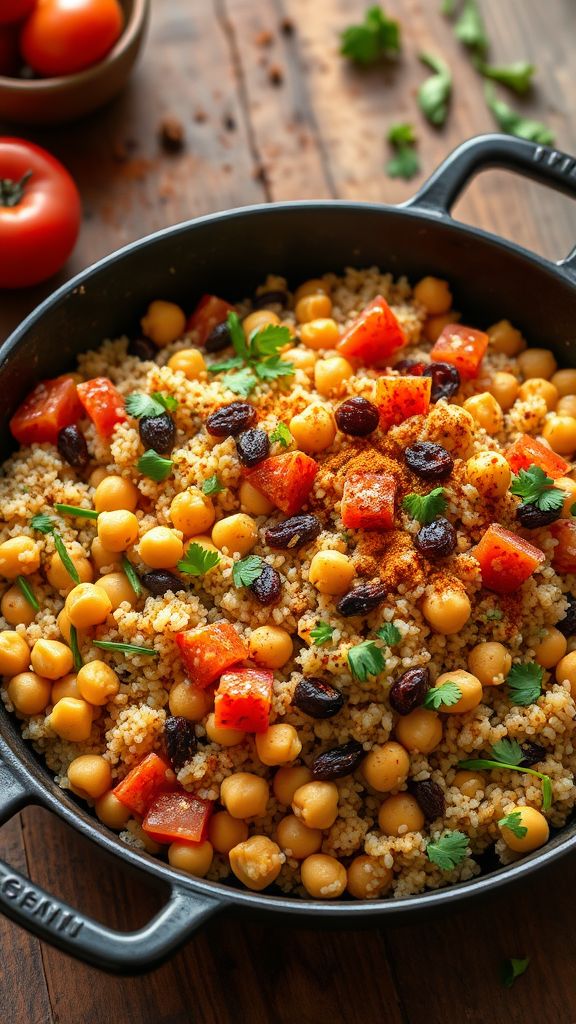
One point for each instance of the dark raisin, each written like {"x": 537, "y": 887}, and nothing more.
{"x": 437, "y": 539}
{"x": 445, "y": 380}
{"x": 143, "y": 348}
{"x": 429, "y": 461}
{"x": 410, "y": 367}
{"x": 362, "y": 599}
{"x": 567, "y": 625}
{"x": 340, "y": 761}
{"x": 231, "y": 419}
{"x": 158, "y": 581}
{"x": 293, "y": 532}
{"x": 179, "y": 740}
{"x": 409, "y": 690}
{"x": 72, "y": 446}
{"x": 252, "y": 446}
{"x": 158, "y": 432}
{"x": 219, "y": 338}
{"x": 269, "y": 298}
{"x": 267, "y": 588}
{"x": 357, "y": 416}
{"x": 533, "y": 754}
{"x": 430, "y": 798}
{"x": 531, "y": 517}
{"x": 317, "y": 698}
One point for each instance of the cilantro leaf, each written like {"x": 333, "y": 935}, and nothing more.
{"x": 212, "y": 485}
{"x": 390, "y": 634}
{"x": 425, "y": 507}
{"x": 247, "y": 570}
{"x": 449, "y": 850}
{"x": 256, "y": 357}
{"x": 138, "y": 404}
{"x": 513, "y": 968}
{"x": 434, "y": 94}
{"x": 242, "y": 382}
{"x": 266, "y": 341}
{"x": 470, "y": 28}
{"x": 366, "y": 659}
{"x": 445, "y": 695}
{"x": 525, "y": 683}
{"x": 535, "y": 488}
{"x": 237, "y": 335}
{"x": 516, "y": 76}
{"x": 405, "y": 163}
{"x": 376, "y": 38}
{"x": 508, "y": 751}
{"x": 274, "y": 367}
{"x": 42, "y": 523}
{"x": 198, "y": 560}
{"x": 513, "y": 123}
{"x": 154, "y": 466}
{"x": 513, "y": 821}
{"x": 282, "y": 435}
{"x": 485, "y": 762}
{"x": 321, "y": 634}
{"x": 227, "y": 364}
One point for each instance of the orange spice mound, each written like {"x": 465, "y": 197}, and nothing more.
{"x": 391, "y": 556}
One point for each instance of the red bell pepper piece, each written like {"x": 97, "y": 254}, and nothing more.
{"x": 527, "y": 451}
{"x": 243, "y": 700}
{"x": 368, "y": 500}
{"x": 374, "y": 335}
{"x": 143, "y": 784}
{"x": 178, "y": 817}
{"x": 398, "y": 398}
{"x": 209, "y": 650}
{"x": 209, "y": 312}
{"x": 285, "y": 479}
{"x": 564, "y": 557}
{"x": 103, "y": 403}
{"x": 52, "y": 404}
{"x": 506, "y": 560}
{"x": 463, "y": 347}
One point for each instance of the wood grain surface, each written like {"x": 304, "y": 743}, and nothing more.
{"x": 271, "y": 111}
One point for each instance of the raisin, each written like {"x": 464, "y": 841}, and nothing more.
{"x": 317, "y": 698}
{"x": 430, "y": 798}
{"x": 143, "y": 348}
{"x": 252, "y": 446}
{"x": 158, "y": 581}
{"x": 410, "y": 367}
{"x": 445, "y": 380}
{"x": 293, "y": 532}
{"x": 179, "y": 740}
{"x": 409, "y": 690}
{"x": 362, "y": 599}
{"x": 231, "y": 419}
{"x": 340, "y": 761}
{"x": 72, "y": 446}
{"x": 531, "y": 517}
{"x": 267, "y": 588}
{"x": 158, "y": 432}
{"x": 437, "y": 539}
{"x": 533, "y": 754}
{"x": 357, "y": 416}
{"x": 268, "y": 298}
{"x": 567, "y": 625}
{"x": 428, "y": 460}
{"x": 219, "y": 338}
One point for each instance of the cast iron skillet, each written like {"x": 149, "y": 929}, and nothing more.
{"x": 228, "y": 253}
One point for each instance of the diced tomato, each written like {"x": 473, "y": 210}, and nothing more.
{"x": 527, "y": 451}
{"x": 506, "y": 560}
{"x": 209, "y": 312}
{"x": 103, "y": 403}
{"x": 243, "y": 700}
{"x": 398, "y": 398}
{"x": 463, "y": 347}
{"x": 209, "y": 650}
{"x": 564, "y": 557}
{"x": 368, "y": 500}
{"x": 178, "y": 816}
{"x": 52, "y": 404}
{"x": 143, "y": 784}
{"x": 285, "y": 479}
{"x": 374, "y": 335}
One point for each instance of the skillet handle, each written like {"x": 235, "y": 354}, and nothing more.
{"x": 541, "y": 163}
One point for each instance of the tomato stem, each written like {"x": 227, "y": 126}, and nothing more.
{"x": 12, "y": 192}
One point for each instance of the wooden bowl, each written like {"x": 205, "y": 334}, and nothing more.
{"x": 56, "y": 100}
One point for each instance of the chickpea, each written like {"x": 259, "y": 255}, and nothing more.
{"x": 19, "y": 556}
{"x": 163, "y": 323}
{"x": 71, "y": 719}
{"x": 59, "y": 577}
{"x": 420, "y": 731}
{"x": 447, "y": 609}
{"x": 400, "y": 814}
{"x": 244, "y": 795}
{"x": 235, "y": 534}
{"x": 111, "y": 811}
{"x": 287, "y": 780}
{"x": 15, "y": 608}
{"x": 565, "y": 382}
{"x": 506, "y": 339}
{"x": 188, "y": 361}
{"x": 320, "y": 334}
{"x": 313, "y": 307}
{"x": 504, "y": 387}
{"x": 97, "y": 682}
{"x": 331, "y": 572}
{"x": 29, "y": 693}
{"x": 303, "y": 358}
{"x": 188, "y": 701}
{"x": 118, "y": 588}
{"x": 192, "y": 512}
{"x": 219, "y": 734}
{"x": 489, "y": 473}
{"x": 434, "y": 294}
{"x": 537, "y": 831}
{"x": 323, "y": 877}
{"x": 160, "y": 548}
{"x": 97, "y": 476}
{"x": 224, "y": 832}
{"x": 538, "y": 387}
{"x": 270, "y": 646}
{"x": 330, "y": 374}
{"x": 103, "y": 558}
{"x": 566, "y": 670}
{"x": 470, "y": 688}
{"x": 117, "y": 530}
{"x": 65, "y": 687}
{"x": 116, "y": 493}
{"x": 315, "y": 286}
{"x": 149, "y": 844}
{"x": 567, "y": 484}
{"x": 560, "y": 432}
{"x": 368, "y": 878}
{"x": 195, "y": 860}
{"x": 253, "y": 502}
{"x": 64, "y": 625}
{"x": 278, "y": 744}
{"x": 485, "y": 410}
{"x": 295, "y": 839}
{"x": 90, "y": 776}
{"x": 259, "y": 319}
{"x": 452, "y": 427}
{"x": 551, "y": 648}
{"x": 537, "y": 362}
{"x": 316, "y": 803}
{"x": 313, "y": 429}
{"x": 469, "y": 783}
{"x": 489, "y": 662}
{"x": 434, "y": 325}
{"x": 256, "y": 862}
{"x": 51, "y": 659}
{"x": 386, "y": 767}
{"x": 14, "y": 653}
{"x": 567, "y": 406}
{"x": 87, "y": 605}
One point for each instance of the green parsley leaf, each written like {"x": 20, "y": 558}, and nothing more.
{"x": 508, "y": 751}
{"x": 281, "y": 435}
{"x": 525, "y": 683}
{"x": 227, "y": 364}
{"x": 138, "y": 404}
{"x": 237, "y": 335}
{"x": 513, "y": 968}
{"x": 266, "y": 341}
{"x": 449, "y": 850}
{"x": 168, "y": 402}
{"x": 535, "y": 488}
{"x": 366, "y": 659}
{"x": 198, "y": 560}
{"x": 494, "y": 614}
{"x": 425, "y": 507}
{"x": 405, "y": 163}
{"x": 42, "y": 523}
{"x": 470, "y": 28}
{"x": 131, "y": 575}
{"x": 271, "y": 369}
{"x": 111, "y": 645}
{"x": 154, "y": 466}
{"x": 212, "y": 485}
{"x": 257, "y": 355}
{"x": 376, "y": 38}
{"x": 484, "y": 762}
{"x": 247, "y": 570}
{"x": 76, "y": 510}
{"x": 28, "y": 593}
{"x": 513, "y": 123}
{"x": 517, "y": 76}
{"x": 513, "y": 821}
{"x": 75, "y": 648}
{"x": 446, "y": 695}
{"x": 390, "y": 634}
{"x": 434, "y": 94}
{"x": 321, "y": 634}
{"x": 242, "y": 382}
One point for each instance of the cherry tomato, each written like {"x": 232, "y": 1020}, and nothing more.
{"x": 15, "y": 10}
{"x": 103, "y": 403}
{"x": 9, "y": 52}
{"x": 64, "y": 36}
{"x": 39, "y": 214}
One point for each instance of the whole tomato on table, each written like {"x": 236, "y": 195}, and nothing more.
{"x": 15, "y": 10}
{"x": 39, "y": 214}
{"x": 61, "y": 37}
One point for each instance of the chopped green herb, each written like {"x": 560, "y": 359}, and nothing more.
{"x": 75, "y": 648}
{"x": 267, "y": 341}
{"x": 494, "y": 614}
{"x": 237, "y": 335}
{"x": 256, "y": 357}
{"x": 198, "y": 560}
{"x": 227, "y": 364}
{"x": 42, "y": 523}
{"x": 405, "y": 163}
{"x": 390, "y": 634}
{"x": 508, "y": 751}
{"x": 486, "y": 763}
{"x": 281, "y": 435}
{"x": 517, "y": 76}
{"x": 448, "y": 7}
{"x": 138, "y": 404}
{"x": 212, "y": 485}
{"x": 513, "y": 123}
{"x": 446, "y": 695}
{"x": 366, "y": 659}
{"x": 29, "y": 594}
{"x": 111, "y": 645}
{"x": 154, "y": 466}
{"x": 321, "y": 634}
{"x": 525, "y": 683}
{"x": 535, "y": 488}
{"x": 76, "y": 510}
{"x": 513, "y": 821}
{"x": 131, "y": 575}
{"x": 434, "y": 93}
{"x": 273, "y": 368}
{"x": 513, "y": 968}
{"x": 247, "y": 570}
{"x": 470, "y": 28}
{"x": 377, "y": 37}
{"x": 425, "y": 507}
{"x": 241, "y": 382}
{"x": 449, "y": 850}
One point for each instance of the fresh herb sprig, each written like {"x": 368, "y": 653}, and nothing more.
{"x": 376, "y": 38}
{"x": 44, "y": 524}
{"x": 405, "y": 163}
{"x": 525, "y": 683}
{"x": 154, "y": 466}
{"x": 513, "y": 123}
{"x": 198, "y": 560}
{"x": 247, "y": 570}
{"x": 434, "y": 93}
{"x": 389, "y": 633}
{"x": 75, "y": 648}
{"x": 212, "y": 485}
{"x": 139, "y": 404}
{"x": 366, "y": 659}
{"x": 536, "y": 488}
{"x": 448, "y": 851}
{"x": 446, "y": 695}
{"x": 513, "y": 968}
{"x": 470, "y": 29}
{"x": 257, "y": 357}
{"x": 426, "y": 507}
{"x": 281, "y": 435}
{"x": 76, "y": 510}
{"x": 513, "y": 821}
{"x": 112, "y": 645}
{"x": 321, "y": 634}
{"x": 131, "y": 575}
{"x": 480, "y": 763}
{"x": 28, "y": 593}
{"x": 516, "y": 76}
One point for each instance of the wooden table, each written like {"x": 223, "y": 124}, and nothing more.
{"x": 272, "y": 112}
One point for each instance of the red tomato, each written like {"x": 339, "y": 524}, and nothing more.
{"x": 564, "y": 557}
{"x": 527, "y": 451}
{"x": 368, "y": 501}
{"x": 103, "y": 403}
{"x": 52, "y": 404}
{"x": 9, "y": 52}
{"x": 61, "y": 37}
{"x": 506, "y": 560}
{"x": 463, "y": 347}
{"x": 285, "y": 479}
{"x": 179, "y": 816}
{"x": 374, "y": 335}
{"x": 209, "y": 312}
{"x": 15, "y": 10}
{"x": 39, "y": 214}
{"x": 209, "y": 650}
{"x": 243, "y": 700}
{"x": 398, "y": 398}
{"x": 143, "y": 784}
